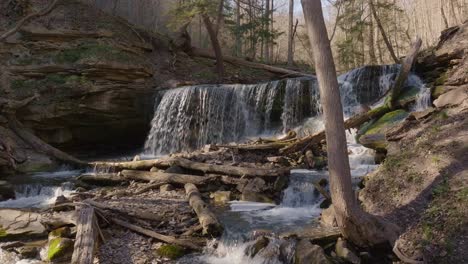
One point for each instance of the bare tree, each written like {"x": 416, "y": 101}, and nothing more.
{"x": 360, "y": 227}
{"x": 382, "y": 31}
{"x": 290, "y": 33}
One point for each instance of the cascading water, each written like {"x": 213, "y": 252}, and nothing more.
{"x": 188, "y": 118}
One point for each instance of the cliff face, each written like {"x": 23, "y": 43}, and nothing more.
{"x": 94, "y": 76}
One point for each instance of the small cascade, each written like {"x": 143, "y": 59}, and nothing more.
{"x": 41, "y": 189}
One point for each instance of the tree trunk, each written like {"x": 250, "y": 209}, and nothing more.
{"x": 163, "y": 177}
{"x": 272, "y": 29}
{"x": 219, "y": 18}
{"x": 238, "y": 35}
{"x": 356, "y": 225}
{"x": 290, "y": 33}
{"x": 266, "y": 48}
{"x": 372, "y": 57}
{"x": 444, "y": 17}
{"x": 382, "y": 31}
{"x": 215, "y": 45}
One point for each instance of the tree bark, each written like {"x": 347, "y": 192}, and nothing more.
{"x": 207, "y": 219}
{"x": 372, "y": 57}
{"x": 382, "y": 32}
{"x": 266, "y": 48}
{"x": 444, "y": 17}
{"x": 215, "y": 45}
{"x": 219, "y": 18}
{"x": 132, "y": 165}
{"x": 238, "y": 35}
{"x": 86, "y": 236}
{"x": 238, "y": 61}
{"x": 290, "y": 33}
{"x": 228, "y": 170}
{"x": 357, "y": 226}
{"x": 163, "y": 177}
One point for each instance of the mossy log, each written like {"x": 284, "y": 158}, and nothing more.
{"x": 228, "y": 170}
{"x": 86, "y": 236}
{"x": 207, "y": 219}
{"x": 163, "y": 177}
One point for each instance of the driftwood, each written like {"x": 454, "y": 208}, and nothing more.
{"x": 86, "y": 236}
{"x": 101, "y": 179}
{"x": 404, "y": 72}
{"x": 234, "y": 60}
{"x": 163, "y": 177}
{"x": 28, "y": 18}
{"x": 166, "y": 239}
{"x": 133, "y": 165}
{"x": 254, "y": 147}
{"x": 207, "y": 219}
{"x": 227, "y": 169}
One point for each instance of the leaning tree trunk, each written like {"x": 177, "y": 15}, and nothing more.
{"x": 216, "y": 46}
{"x": 382, "y": 31}
{"x": 361, "y": 228}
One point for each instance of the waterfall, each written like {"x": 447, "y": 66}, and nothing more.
{"x": 190, "y": 117}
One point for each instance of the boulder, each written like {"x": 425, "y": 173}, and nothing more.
{"x": 7, "y": 191}
{"x": 60, "y": 249}
{"x": 221, "y": 197}
{"x": 20, "y": 225}
{"x": 452, "y": 98}
{"x": 166, "y": 188}
{"x": 372, "y": 134}
{"x": 62, "y": 204}
{"x": 259, "y": 244}
{"x": 171, "y": 251}
{"x": 307, "y": 253}
{"x": 344, "y": 251}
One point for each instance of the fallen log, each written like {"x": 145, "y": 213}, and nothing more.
{"x": 86, "y": 236}
{"x": 132, "y": 165}
{"x": 228, "y": 170}
{"x": 101, "y": 179}
{"x": 166, "y": 239}
{"x": 163, "y": 177}
{"x": 207, "y": 219}
{"x": 404, "y": 72}
{"x": 234, "y": 60}
{"x": 254, "y": 147}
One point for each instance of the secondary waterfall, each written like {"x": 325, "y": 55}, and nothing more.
{"x": 190, "y": 117}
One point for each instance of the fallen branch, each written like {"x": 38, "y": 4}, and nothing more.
{"x": 101, "y": 179}
{"x": 163, "y": 177}
{"x": 234, "y": 60}
{"x": 207, "y": 219}
{"x": 227, "y": 169}
{"x": 86, "y": 236}
{"x": 136, "y": 213}
{"x": 253, "y": 147}
{"x": 28, "y": 18}
{"x": 160, "y": 237}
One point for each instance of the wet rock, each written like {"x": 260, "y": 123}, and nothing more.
{"x": 344, "y": 251}
{"x": 20, "y": 225}
{"x": 28, "y": 252}
{"x": 60, "y": 232}
{"x": 60, "y": 249}
{"x": 171, "y": 251}
{"x": 328, "y": 218}
{"x": 7, "y": 191}
{"x": 307, "y": 253}
{"x": 279, "y": 160}
{"x": 256, "y": 197}
{"x": 221, "y": 197}
{"x": 154, "y": 169}
{"x": 372, "y": 134}
{"x": 259, "y": 244}
{"x": 137, "y": 158}
{"x": 166, "y": 188}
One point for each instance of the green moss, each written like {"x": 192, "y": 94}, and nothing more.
{"x": 386, "y": 121}
{"x": 171, "y": 251}
{"x": 408, "y": 95}
{"x": 3, "y": 232}
{"x": 438, "y": 91}
{"x": 59, "y": 248}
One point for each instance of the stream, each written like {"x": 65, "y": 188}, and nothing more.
{"x": 188, "y": 118}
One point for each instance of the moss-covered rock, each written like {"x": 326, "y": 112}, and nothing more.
{"x": 372, "y": 134}
{"x": 20, "y": 225}
{"x": 59, "y": 249}
{"x": 171, "y": 251}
